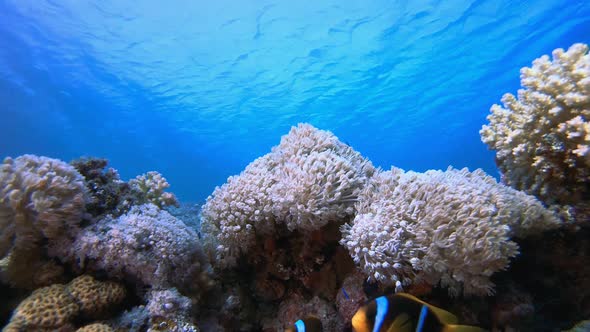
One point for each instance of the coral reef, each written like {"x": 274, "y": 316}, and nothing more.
{"x": 189, "y": 213}
{"x": 542, "y": 136}
{"x": 307, "y": 181}
{"x": 95, "y": 297}
{"x": 351, "y": 296}
{"x": 451, "y": 227}
{"x": 164, "y": 310}
{"x": 146, "y": 245}
{"x": 42, "y": 202}
{"x": 297, "y": 307}
{"x": 554, "y": 269}
{"x": 55, "y": 307}
{"x": 108, "y": 193}
{"x": 151, "y": 185}
{"x": 311, "y": 228}
{"x": 169, "y": 311}
{"x": 111, "y": 195}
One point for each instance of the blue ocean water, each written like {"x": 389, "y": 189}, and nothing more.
{"x": 198, "y": 89}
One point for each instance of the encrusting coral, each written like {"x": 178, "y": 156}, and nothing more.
{"x": 542, "y": 136}
{"x": 451, "y": 227}
{"x": 307, "y": 181}
{"x": 54, "y": 308}
{"x": 42, "y": 202}
{"x": 145, "y": 245}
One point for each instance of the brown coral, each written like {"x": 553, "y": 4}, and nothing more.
{"x": 52, "y": 308}
{"x": 42, "y": 201}
{"x": 48, "y": 307}
{"x": 93, "y": 296}
{"x": 41, "y": 198}
{"x": 96, "y": 327}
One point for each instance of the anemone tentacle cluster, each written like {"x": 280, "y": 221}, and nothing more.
{"x": 308, "y": 180}
{"x": 452, "y": 227}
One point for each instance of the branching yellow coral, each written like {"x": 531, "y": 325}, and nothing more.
{"x": 542, "y": 136}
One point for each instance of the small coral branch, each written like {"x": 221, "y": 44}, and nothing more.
{"x": 542, "y": 135}
{"x": 152, "y": 186}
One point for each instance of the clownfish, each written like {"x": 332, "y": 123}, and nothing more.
{"x": 309, "y": 324}
{"x": 403, "y": 312}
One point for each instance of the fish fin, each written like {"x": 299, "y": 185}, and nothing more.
{"x": 401, "y": 323}
{"x": 462, "y": 328}
{"x": 444, "y": 316}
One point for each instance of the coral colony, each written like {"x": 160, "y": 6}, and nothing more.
{"x": 313, "y": 228}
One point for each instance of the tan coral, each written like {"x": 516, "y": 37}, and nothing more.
{"x": 96, "y": 327}
{"x": 93, "y": 296}
{"x": 542, "y": 135}
{"x": 42, "y": 201}
{"x": 53, "y": 308}
{"x": 48, "y": 307}
{"x": 46, "y": 197}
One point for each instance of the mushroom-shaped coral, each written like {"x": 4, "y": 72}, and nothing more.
{"x": 452, "y": 227}
{"x": 42, "y": 201}
{"x": 542, "y": 136}
{"x": 307, "y": 181}
{"x": 146, "y": 245}
{"x": 53, "y": 308}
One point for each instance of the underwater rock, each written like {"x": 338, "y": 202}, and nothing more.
{"x": 554, "y": 269}
{"x": 295, "y": 307}
{"x": 351, "y": 296}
